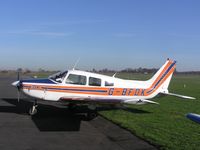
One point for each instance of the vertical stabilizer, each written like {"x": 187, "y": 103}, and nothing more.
{"x": 160, "y": 81}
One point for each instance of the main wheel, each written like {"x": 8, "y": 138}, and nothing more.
{"x": 71, "y": 106}
{"x": 91, "y": 115}
{"x": 32, "y": 111}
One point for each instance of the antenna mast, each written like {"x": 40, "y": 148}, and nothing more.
{"x": 76, "y": 64}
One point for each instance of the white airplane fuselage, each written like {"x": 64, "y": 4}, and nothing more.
{"x": 82, "y": 85}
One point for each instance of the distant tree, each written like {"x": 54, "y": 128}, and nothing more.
{"x": 26, "y": 71}
{"x": 20, "y": 70}
{"x": 94, "y": 70}
{"x": 41, "y": 70}
{"x": 4, "y": 71}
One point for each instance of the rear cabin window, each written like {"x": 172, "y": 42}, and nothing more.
{"x": 109, "y": 83}
{"x": 76, "y": 79}
{"x": 94, "y": 81}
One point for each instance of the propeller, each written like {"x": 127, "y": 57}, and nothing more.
{"x": 18, "y": 85}
{"x": 18, "y": 75}
{"x": 18, "y": 93}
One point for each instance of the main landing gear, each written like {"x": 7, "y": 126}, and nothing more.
{"x": 33, "y": 109}
{"x": 89, "y": 111}
{"x": 92, "y": 113}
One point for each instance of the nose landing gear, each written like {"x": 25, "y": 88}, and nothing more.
{"x": 33, "y": 109}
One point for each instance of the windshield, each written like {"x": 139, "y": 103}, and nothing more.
{"x": 58, "y": 77}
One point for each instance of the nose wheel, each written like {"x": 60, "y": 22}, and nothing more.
{"x": 33, "y": 109}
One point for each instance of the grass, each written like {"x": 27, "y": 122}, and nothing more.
{"x": 164, "y": 125}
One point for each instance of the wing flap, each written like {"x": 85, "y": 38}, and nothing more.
{"x": 139, "y": 101}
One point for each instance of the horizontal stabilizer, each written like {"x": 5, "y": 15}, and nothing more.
{"x": 178, "y": 95}
{"x": 139, "y": 101}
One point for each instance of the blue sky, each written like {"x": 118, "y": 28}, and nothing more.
{"x": 114, "y": 34}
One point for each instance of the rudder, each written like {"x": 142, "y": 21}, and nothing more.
{"x": 160, "y": 81}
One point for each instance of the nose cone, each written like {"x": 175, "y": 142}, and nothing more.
{"x": 16, "y": 83}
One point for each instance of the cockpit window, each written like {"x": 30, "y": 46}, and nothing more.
{"x": 76, "y": 79}
{"x": 58, "y": 77}
{"x": 94, "y": 81}
{"x": 109, "y": 83}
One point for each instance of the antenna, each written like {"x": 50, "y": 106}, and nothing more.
{"x": 114, "y": 74}
{"x": 76, "y": 63}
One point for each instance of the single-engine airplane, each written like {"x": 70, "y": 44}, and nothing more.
{"x": 75, "y": 87}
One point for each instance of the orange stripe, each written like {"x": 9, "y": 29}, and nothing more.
{"x": 164, "y": 79}
{"x": 42, "y": 88}
{"x": 162, "y": 72}
{"x": 67, "y": 87}
{"x": 91, "y": 93}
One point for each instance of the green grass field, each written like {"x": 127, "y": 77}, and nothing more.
{"x": 164, "y": 125}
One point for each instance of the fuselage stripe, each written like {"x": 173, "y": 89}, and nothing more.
{"x": 78, "y": 90}
{"x": 35, "y": 87}
{"x": 162, "y": 77}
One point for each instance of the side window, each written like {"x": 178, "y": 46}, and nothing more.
{"x": 76, "y": 79}
{"x": 108, "y": 83}
{"x": 94, "y": 81}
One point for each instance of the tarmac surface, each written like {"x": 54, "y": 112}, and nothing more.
{"x": 55, "y": 128}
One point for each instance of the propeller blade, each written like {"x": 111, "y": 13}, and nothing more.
{"x": 18, "y": 85}
{"x": 18, "y": 95}
{"x": 18, "y": 76}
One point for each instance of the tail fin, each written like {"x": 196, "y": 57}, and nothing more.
{"x": 160, "y": 81}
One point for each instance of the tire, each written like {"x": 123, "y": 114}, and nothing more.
{"x": 91, "y": 115}
{"x": 32, "y": 112}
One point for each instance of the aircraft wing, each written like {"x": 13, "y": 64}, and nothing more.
{"x": 139, "y": 101}
{"x": 106, "y": 101}
{"x": 90, "y": 100}
{"x": 178, "y": 95}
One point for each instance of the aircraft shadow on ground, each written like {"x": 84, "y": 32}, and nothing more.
{"x": 132, "y": 110}
{"x": 48, "y": 118}
{"x": 52, "y": 118}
